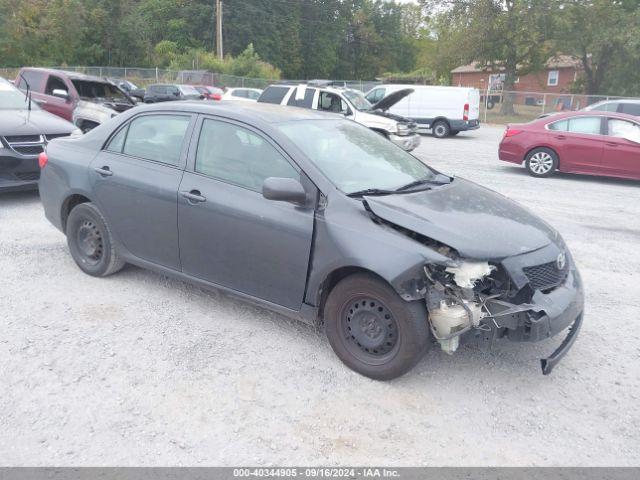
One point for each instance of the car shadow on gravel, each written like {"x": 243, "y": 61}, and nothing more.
{"x": 8, "y": 199}
{"x": 509, "y": 359}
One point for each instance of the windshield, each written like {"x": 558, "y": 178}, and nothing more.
{"x": 91, "y": 90}
{"x": 357, "y": 99}
{"x": 353, "y": 157}
{"x": 13, "y": 99}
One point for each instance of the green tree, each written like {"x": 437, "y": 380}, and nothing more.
{"x": 510, "y": 34}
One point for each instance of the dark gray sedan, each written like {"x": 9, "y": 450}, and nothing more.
{"x": 316, "y": 217}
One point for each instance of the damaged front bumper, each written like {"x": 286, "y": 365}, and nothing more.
{"x": 545, "y": 316}
{"x": 406, "y": 142}
{"x": 522, "y": 313}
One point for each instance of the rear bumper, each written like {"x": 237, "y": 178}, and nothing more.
{"x": 464, "y": 125}
{"x": 18, "y": 172}
{"x": 510, "y": 152}
{"x": 407, "y": 142}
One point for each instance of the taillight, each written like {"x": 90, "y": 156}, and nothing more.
{"x": 465, "y": 113}
{"x": 216, "y": 96}
{"x": 510, "y": 132}
{"x": 42, "y": 159}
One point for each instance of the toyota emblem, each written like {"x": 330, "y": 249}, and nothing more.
{"x": 561, "y": 261}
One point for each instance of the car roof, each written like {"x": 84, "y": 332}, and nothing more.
{"x": 243, "y": 111}
{"x": 617, "y": 100}
{"x": 71, "y": 75}
{"x": 591, "y": 113}
{"x": 316, "y": 87}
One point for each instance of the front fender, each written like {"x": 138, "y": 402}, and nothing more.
{"x": 344, "y": 241}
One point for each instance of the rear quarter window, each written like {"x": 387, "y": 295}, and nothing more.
{"x": 631, "y": 109}
{"x": 273, "y": 95}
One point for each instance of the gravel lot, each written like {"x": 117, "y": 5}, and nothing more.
{"x": 139, "y": 369}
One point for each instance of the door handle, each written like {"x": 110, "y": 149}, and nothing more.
{"x": 104, "y": 171}
{"x": 611, "y": 144}
{"x": 193, "y": 196}
{"x": 561, "y": 137}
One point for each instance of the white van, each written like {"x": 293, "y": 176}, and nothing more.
{"x": 443, "y": 110}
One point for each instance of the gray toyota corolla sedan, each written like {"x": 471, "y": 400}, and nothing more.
{"x": 316, "y": 217}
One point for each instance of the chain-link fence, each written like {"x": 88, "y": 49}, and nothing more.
{"x": 518, "y": 107}
{"x": 147, "y": 76}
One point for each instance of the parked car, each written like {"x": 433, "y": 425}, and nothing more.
{"x": 210, "y": 93}
{"x": 316, "y": 217}
{"x": 25, "y": 130}
{"x": 352, "y": 104}
{"x": 242, "y": 94}
{"x": 443, "y": 110}
{"x": 131, "y": 88}
{"x": 84, "y": 100}
{"x": 168, "y": 93}
{"x": 591, "y": 143}
{"x": 628, "y": 106}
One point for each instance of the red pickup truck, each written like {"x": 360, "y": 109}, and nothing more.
{"x": 84, "y": 100}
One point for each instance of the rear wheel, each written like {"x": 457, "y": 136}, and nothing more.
{"x": 441, "y": 129}
{"x": 372, "y": 330}
{"x": 90, "y": 241}
{"x": 541, "y": 162}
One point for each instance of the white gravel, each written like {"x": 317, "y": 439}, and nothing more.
{"x": 139, "y": 369}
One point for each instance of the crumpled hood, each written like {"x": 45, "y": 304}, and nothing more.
{"x": 36, "y": 122}
{"x": 477, "y": 222}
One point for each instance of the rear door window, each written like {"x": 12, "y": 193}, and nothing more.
{"x": 239, "y": 93}
{"x": 55, "y": 83}
{"x": 156, "y": 137}
{"x": 273, "y": 95}
{"x": 586, "y": 125}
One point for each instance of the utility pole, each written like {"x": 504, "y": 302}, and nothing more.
{"x": 219, "y": 29}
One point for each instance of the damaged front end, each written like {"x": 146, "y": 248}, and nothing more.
{"x": 522, "y": 298}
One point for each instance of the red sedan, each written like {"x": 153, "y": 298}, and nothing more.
{"x": 592, "y": 143}
{"x": 210, "y": 93}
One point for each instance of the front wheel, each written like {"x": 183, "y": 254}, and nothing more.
{"x": 90, "y": 241}
{"x": 441, "y": 129}
{"x": 541, "y": 162}
{"x": 372, "y": 330}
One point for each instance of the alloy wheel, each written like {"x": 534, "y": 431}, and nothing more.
{"x": 541, "y": 163}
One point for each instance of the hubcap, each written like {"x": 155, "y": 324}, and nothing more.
{"x": 369, "y": 328}
{"x": 440, "y": 130}
{"x": 90, "y": 242}
{"x": 541, "y": 163}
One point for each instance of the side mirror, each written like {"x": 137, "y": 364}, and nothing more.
{"x": 58, "y": 92}
{"x": 284, "y": 190}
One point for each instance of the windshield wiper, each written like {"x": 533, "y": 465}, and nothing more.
{"x": 424, "y": 181}
{"x": 370, "y": 191}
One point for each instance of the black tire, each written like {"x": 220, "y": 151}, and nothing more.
{"x": 372, "y": 330}
{"x": 490, "y": 104}
{"x": 541, "y": 162}
{"x": 441, "y": 129}
{"x": 90, "y": 241}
